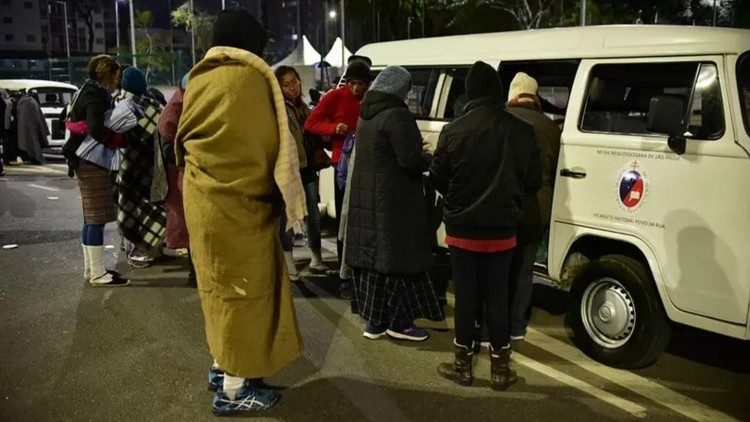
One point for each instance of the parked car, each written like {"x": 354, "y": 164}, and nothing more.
{"x": 53, "y": 98}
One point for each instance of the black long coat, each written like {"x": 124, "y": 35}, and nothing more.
{"x": 387, "y": 229}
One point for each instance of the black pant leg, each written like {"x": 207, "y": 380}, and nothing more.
{"x": 464, "y": 265}
{"x": 493, "y": 276}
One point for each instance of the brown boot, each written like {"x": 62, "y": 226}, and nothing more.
{"x": 503, "y": 376}
{"x": 460, "y": 370}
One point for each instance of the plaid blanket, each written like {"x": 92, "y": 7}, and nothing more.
{"x": 139, "y": 220}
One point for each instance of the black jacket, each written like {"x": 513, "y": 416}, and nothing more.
{"x": 387, "y": 229}
{"x": 486, "y": 161}
{"x": 90, "y": 104}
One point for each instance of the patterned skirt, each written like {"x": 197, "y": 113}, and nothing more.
{"x": 95, "y": 184}
{"x": 387, "y": 299}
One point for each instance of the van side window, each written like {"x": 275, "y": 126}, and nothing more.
{"x": 743, "y": 82}
{"x": 619, "y": 96}
{"x": 423, "y": 84}
{"x": 457, "y": 95}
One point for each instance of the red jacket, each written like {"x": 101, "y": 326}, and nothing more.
{"x": 337, "y": 106}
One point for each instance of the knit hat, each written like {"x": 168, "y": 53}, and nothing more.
{"x": 522, "y": 84}
{"x": 483, "y": 81}
{"x": 364, "y": 59}
{"x": 394, "y": 80}
{"x": 239, "y": 29}
{"x": 133, "y": 81}
{"x": 358, "y": 70}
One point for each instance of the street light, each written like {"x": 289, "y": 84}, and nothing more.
{"x": 132, "y": 33}
{"x": 332, "y": 14}
{"x": 67, "y": 36}
{"x": 117, "y": 23}
{"x": 192, "y": 31}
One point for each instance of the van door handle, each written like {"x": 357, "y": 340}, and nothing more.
{"x": 573, "y": 173}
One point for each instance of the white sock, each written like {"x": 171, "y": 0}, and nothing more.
{"x": 232, "y": 385}
{"x": 86, "y": 263}
{"x": 215, "y": 365}
{"x": 99, "y": 273}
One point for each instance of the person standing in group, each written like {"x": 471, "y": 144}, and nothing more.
{"x": 95, "y": 179}
{"x": 485, "y": 162}
{"x": 241, "y": 172}
{"x": 524, "y": 103}
{"x": 177, "y": 233}
{"x": 297, "y": 112}
{"x": 388, "y": 242}
{"x": 336, "y": 116}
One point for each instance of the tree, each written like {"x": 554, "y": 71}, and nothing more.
{"x": 529, "y": 14}
{"x": 197, "y": 21}
{"x": 153, "y": 58}
{"x": 86, "y": 9}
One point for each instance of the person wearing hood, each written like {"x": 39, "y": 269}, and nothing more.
{"x": 485, "y": 162}
{"x": 241, "y": 173}
{"x": 524, "y": 103}
{"x": 336, "y": 116}
{"x": 387, "y": 234}
{"x": 177, "y": 233}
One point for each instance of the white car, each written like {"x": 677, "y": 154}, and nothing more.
{"x": 53, "y": 98}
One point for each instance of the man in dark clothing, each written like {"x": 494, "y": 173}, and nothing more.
{"x": 486, "y": 161}
{"x": 537, "y": 210}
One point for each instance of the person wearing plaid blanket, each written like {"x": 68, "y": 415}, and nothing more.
{"x": 241, "y": 173}
{"x": 387, "y": 241}
{"x": 140, "y": 221}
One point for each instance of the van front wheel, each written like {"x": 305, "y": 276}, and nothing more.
{"x": 617, "y": 317}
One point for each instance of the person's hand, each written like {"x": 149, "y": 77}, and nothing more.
{"x": 341, "y": 129}
{"x": 425, "y": 146}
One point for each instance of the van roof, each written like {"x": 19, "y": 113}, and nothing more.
{"x": 609, "y": 41}
{"x": 16, "y": 84}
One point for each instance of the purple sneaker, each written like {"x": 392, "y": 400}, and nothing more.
{"x": 409, "y": 332}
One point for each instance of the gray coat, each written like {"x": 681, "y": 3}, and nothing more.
{"x": 32, "y": 128}
{"x": 387, "y": 229}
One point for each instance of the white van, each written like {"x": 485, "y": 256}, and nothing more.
{"x": 53, "y": 98}
{"x": 650, "y": 222}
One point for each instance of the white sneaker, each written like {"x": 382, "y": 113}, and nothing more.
{"x": 175, "y": 253}
{"x": 318, "y": 265}
{"x": 518, "y": 337}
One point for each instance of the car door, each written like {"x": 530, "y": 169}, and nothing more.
{"x": 690, "y": 209}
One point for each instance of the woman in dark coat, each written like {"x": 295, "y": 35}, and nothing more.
{"x": 388, "y": 235}
{"x": 94, "y": 181}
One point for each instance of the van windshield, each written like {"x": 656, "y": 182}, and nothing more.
{"x": 743, "y": 81}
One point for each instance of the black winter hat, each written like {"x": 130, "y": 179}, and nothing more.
{"x": 239, "y": 29}
{"x": 358, "y": 70}
{"x": 483, "y": 81}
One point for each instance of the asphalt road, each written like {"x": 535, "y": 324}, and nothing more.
{"x": 72, "y": 352}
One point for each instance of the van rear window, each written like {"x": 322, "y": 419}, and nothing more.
{"x": 743, "y": 81}
{"x": 619, "y": 96}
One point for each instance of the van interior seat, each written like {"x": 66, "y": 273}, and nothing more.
{"x": 605, "y": 100}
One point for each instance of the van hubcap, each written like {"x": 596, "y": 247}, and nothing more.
{"x": 608, "y": 313}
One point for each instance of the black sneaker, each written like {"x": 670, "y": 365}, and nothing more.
{"x": 215, "y": 379}
{"x": 109, "y": 279}
{"x": 249, "y": 399}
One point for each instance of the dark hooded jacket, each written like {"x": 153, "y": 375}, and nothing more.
{"x": 485, "y": 162}
{"x": 388, "y": 229}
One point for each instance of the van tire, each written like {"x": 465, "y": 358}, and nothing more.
{"x": 631, "y": 339}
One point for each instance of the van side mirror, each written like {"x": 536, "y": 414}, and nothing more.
{"x": 666, "y": 115}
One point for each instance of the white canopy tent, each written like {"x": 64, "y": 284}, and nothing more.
{"x": 334, "y": 55}
{"x": 304, "y": 55}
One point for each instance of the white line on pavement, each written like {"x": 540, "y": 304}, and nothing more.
{"x": 640, "y": 385}
{"x": 43, "y": 187}
{"x": 634, "y": 409}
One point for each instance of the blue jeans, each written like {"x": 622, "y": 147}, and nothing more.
{"x": 313, "y": 222}
{"x": 313, "y": 216}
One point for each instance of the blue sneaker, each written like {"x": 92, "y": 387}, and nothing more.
{"x": 248, "y": 399}
{"x": 373, "y": 332}
{"x": 215, "y": 379}
{"x": 409, "y": 332}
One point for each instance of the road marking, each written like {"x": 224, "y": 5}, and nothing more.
{"x": 35, "y": 169}
{"x": 43, "y": 187}
{"x": 640, "y": 385}
{"x": 628, "y": 406}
